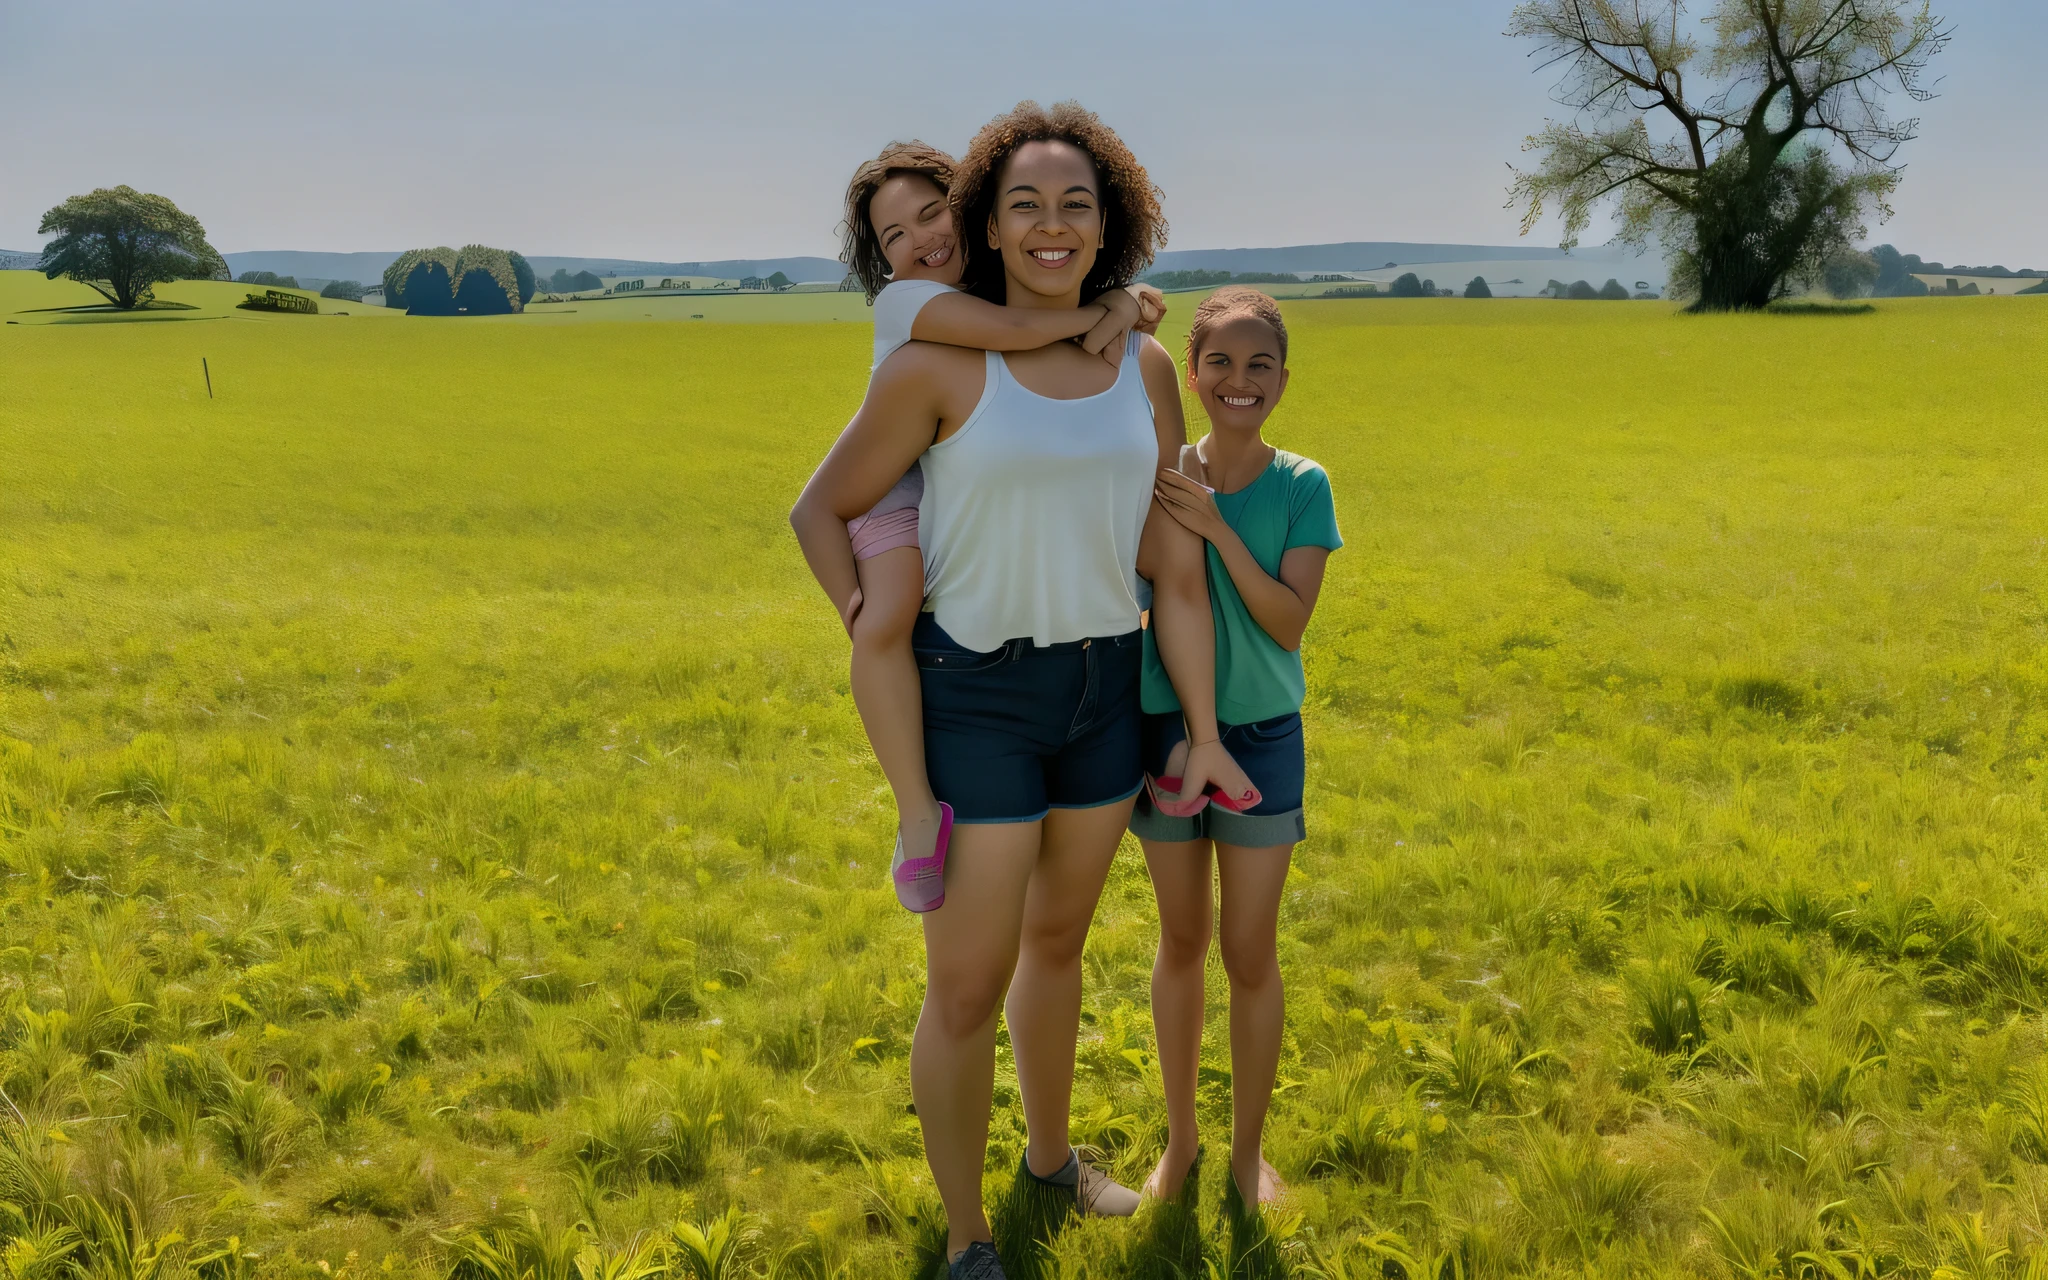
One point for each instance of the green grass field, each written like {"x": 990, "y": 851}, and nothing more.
{"x": 438, "y": 840}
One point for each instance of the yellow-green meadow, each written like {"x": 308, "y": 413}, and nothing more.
{"x": 437, "y": 837}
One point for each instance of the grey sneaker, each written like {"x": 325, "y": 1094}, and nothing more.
{"x": 1098, "y": 1195}
{"x": 978, "y": 1263}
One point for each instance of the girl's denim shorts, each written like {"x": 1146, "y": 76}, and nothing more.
{"x": 1270, "y": 751}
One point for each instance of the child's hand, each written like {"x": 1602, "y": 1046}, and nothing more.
{"x": 1106, "y": 339}
{"x": 1151, "y": 307}
{"x": 850, "y": 611}
{"x": 1191, "y": 504}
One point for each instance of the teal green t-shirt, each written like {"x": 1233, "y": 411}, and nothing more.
{"x": 1288, "y": 506}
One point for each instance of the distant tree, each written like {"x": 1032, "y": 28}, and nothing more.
{"x": 1850, "y": 275}
{"x": 420, "y": 282}
{"x": 1582, "y": 292}
{"x": 1555, "y": 289}
{"x": 753, "y": 282}
{"x": 1429, "y": 289}
{"x": 1408, "y": 286}
{"x": 779, "y": 282}
{"x": 522, "y": 273}
{"x": 584, "y": 281}
{"x": 485, "y": 283}
{"x": 1895, "y": 274}
{"x": 1478, "y": 288}
{"x": 270, "y": 278}
{"x": 1191, "y": 279}
{"x": 346, "y": 290}
{"x": 123, "y": 243}
{"x": 1613, "y": 291}
{"x": 1741, "y": 177}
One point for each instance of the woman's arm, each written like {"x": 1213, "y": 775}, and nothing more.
{"x": 895, "y": 424}
{"x": 1282, "y": 606}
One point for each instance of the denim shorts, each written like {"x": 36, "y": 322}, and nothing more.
{"x": 1013, "y": 734}
{"x": 1269, "y": 751}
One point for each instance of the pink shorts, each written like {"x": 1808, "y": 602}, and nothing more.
{"x": 893, "y": 521}
{"x": 877, "y": 532}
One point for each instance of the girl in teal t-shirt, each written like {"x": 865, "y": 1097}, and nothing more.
{"x": 1270, "y": 524}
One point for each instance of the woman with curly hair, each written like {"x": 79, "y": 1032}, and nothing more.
{"x": 1037, "y": 521}
{"x": 901, "y": 245}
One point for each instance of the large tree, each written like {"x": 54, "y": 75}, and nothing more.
{"x": 1752, "y": 144}
{"x": 125, "y": 242}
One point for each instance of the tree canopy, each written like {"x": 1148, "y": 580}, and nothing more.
{"x": 123, "y": 243}
{"x": 270, "y": 278}
{"x": 1752, "y": 153}
{"x": 1895, "y": 273}
{"x": 522, "y": 275}
{"x": 477, "y": 281}
{"x": 1478, "y": 288}
{"x": 485, "y": 283}
{"x": 562, "y": 282}
{"x": 433, "y": 271}
{"x": 346, "y": 290}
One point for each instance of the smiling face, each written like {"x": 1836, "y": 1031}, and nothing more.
{"x": 914, "y": 224}
{"x": 1047, "y": 222}
{"x": 1238, "y": 374}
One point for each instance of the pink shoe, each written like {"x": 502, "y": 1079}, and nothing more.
{"x": 921, "y": 882}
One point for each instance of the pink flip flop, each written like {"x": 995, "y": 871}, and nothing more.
{"x": 921, "y": 882}
{"x": 1160, "y": 788}
{"x": 1250, "y": 801}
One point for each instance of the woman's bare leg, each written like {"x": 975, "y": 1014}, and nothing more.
{"x": 1252, "y": 880}
{"x": 1181, "y": 885}
{"x": 970, "y": 951}
{"x": 886, "y": 689}
{"x": 1044, "y": 1008}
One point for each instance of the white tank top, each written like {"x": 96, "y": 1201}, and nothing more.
{"x": 1032, "y": 512}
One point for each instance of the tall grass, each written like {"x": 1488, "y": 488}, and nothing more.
{"x": 435, "y": 836}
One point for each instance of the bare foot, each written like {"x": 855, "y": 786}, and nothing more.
{"x": 1270, "y": 1186}
{"x": 1169, "y": 1175}
{"x": 1210, "y": 762}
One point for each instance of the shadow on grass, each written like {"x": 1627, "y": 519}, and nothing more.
{"x": 1820, "y": 309}
{"x": 1166, "y": 1242}
{"x": 1028, "y": 1218}
{"x": 1171, "y": 1246}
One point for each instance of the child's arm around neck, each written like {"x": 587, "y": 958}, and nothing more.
{"x": 963, "y": 320}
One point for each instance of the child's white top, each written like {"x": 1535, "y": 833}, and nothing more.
{"x": 896, "y": 308}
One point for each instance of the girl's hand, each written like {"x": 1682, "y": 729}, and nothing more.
{"x": 1151, "y": 307}
{"x": 850, "y": 611}
{"x": 1106, "y": 339}
{"x": 1191, "y": 504}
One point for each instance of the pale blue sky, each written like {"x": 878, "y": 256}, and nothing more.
{"x": 678, "y": 131}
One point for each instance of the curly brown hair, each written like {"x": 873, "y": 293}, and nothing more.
{"x": 1134, "y": 227}
{"x": 859, "y": 247}
{"x": 1228, "y": 303}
